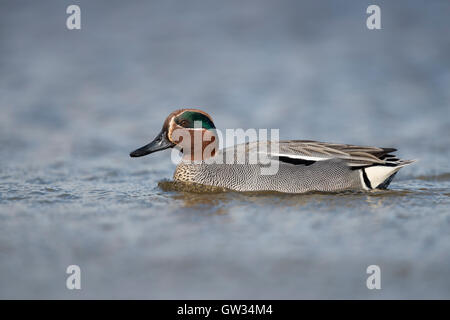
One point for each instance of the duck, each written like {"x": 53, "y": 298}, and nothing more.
{"x": 289, "y": 166}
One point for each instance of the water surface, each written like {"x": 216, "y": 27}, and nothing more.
{"x": 75, "y": 103}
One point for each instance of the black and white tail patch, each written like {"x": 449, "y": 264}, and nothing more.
{"x": 386, "y": 183}
{"x": 365, "y": 180}
{"x": 378, "y": 177}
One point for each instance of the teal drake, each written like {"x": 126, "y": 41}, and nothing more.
{"x": 301, "y": 165}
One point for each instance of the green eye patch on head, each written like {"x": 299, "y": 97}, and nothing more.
{"x": 189, "y": 118}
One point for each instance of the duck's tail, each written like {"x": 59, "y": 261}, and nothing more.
{"x": 379, "y": 176}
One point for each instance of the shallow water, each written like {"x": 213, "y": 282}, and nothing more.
{"x": 74, "y": 103}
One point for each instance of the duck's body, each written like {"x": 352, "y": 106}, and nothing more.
{"x": 303, "y": 166}
{"x": 300, "y": 165}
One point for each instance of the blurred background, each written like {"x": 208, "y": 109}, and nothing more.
{"x": 74, "y": 103}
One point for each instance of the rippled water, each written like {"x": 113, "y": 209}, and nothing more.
{"x": 74, "y": 103}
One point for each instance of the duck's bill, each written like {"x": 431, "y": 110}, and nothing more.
{"x": 159, "y": 143}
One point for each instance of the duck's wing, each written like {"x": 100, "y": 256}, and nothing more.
{"x": 307, "y": 152}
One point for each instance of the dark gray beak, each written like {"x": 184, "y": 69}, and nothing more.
{"x": 159, "y": 143}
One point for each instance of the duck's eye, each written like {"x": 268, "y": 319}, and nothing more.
{"x": 184, "y": 123}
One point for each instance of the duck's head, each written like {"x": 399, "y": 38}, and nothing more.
{"x": 189, "y": 130}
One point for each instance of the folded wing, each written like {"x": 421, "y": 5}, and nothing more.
{"x": 307, "y": 152}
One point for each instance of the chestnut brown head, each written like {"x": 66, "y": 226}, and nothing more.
{"x": 190, "y": 130}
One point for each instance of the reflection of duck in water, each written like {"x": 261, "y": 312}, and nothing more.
{"x": 302, "y": 165}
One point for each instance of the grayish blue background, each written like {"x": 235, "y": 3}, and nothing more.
{"x": 74, "y": 103}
